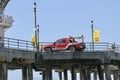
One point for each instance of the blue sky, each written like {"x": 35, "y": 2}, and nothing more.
{"x": 63, "y": 18}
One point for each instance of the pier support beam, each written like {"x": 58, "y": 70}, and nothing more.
{"x": 114, "y": 75}
{"x": 100, "y": 72}
{"x": 118, "y": 73}
{"x": 3, "y": 71}
{"x": 73, "y": 74}
{"x": 48, "y": 73}
{"x": 24, "y": 73}
{"x": 80, "y": 76}
{"x": 65, "y": 74}
{"x": 88, "y": 74}
{"x": 107, "y": 72}
{"x": 30, "y": 72}
{"x": 118, "y": 76}
{"x": 83, "y": 73}
{"x": 27, "y": 72}
{"x": 59, "y": 75}
{"x": 95, "y": 75}
{"x": 43, "y": 75}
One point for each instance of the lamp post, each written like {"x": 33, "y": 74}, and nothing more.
{"x": 36, "y": 34}
{"x": 92, "y": 35}
{"x": 38, "y": 37}
{"x": 35, "y": 25}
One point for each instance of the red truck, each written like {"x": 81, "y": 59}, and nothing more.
{"x": 69, "y": 43}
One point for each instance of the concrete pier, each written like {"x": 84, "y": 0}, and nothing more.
{"x": 95, "y": 75}
{"x": 73, "y": 74}
{"x": 84, "y": 63}
{"x": 107, "y": 72}
{"x": 3, "y": 71}
{"x": 65, "y": 74}
{"x": 24, "y": 73}
{"x": 59, "y": 75}
{"x": 43, "y": 75}
{"x": 88, "y": 74}
{"x": 100, "y": 72}
{"x": 114, "y": 75}
{"x": 48, "y": 73}
{"x": 27, "y": 72}
{"x": 30, "y": 72}
{"x": 83, "y": 73}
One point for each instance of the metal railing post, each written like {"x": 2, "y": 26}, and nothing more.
{"x": 8, "y": 43}
{"x": 18, "y": 43}
{"x": 27, "y": 45}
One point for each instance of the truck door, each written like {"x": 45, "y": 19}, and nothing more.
{"x": 60, "y": 44}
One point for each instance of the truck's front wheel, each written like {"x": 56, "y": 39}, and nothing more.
{"x": 48, "y": 49}
{"x": 72, "y": 49}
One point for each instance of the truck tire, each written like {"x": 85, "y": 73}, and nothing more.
{"x": 72, "y": 49}
{"x": 48, "y": 49}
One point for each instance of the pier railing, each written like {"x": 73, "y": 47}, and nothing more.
{"x": 101, "y": 46}
{"x": 11, "y": 43}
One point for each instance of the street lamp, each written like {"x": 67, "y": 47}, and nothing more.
{"x": 35, "y": 26}
{"x": 38, "y": 37}
{"x": 36, "y": 34}
{"x": 92, "y": 35}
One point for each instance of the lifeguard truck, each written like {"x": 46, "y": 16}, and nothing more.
{"x": 69, "y": 43}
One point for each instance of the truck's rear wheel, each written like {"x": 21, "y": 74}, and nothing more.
{"x": 72, "y": 49}
{"x": 48, "y": 49}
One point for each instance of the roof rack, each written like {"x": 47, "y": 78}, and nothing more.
{"x": 77, "y": 37}
{"x": 80, "y": 37}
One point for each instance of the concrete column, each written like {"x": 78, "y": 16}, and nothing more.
{"x": 80, "y": 75}
{"x": 118, "y": 76}
{"x": 24, "y": 73}
{"x": 83, "y": 73}
{"x": 100, "y": 72}
{"x": 65, "y": 74}
{"x": 43, "y": 75}
{"x": 59, "y": 75}
{"x": 88, "y": 74}
{"x": 73, "y": 74}
{"x": 95, "y": 75}
{"x": 0, "y": 71}
{"x": 4, "y": 65}
{"x": 107, "y": 72}
{"x": 114, "y": 75}
{"x": 3, "y": 71}
{"x": 30, "y": 72}
{"x": 48, "y": 73}
{"x": 104, "y": 76}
